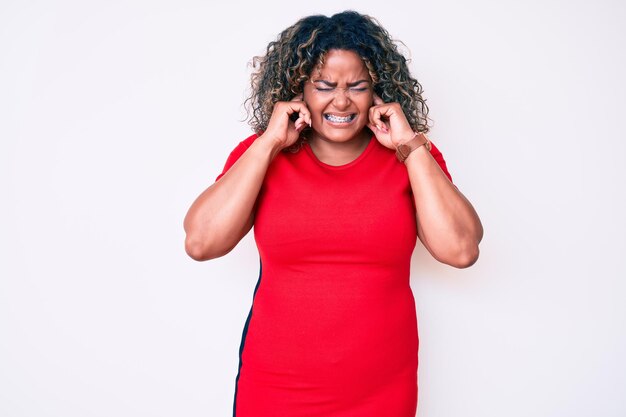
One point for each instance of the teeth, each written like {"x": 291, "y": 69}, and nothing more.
{"x": 338, "y": 119}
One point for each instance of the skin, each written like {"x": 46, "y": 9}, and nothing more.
{"x": 343, "y": 86}
{"x": 447, "y": 224}
{"x": 223, "y": 214}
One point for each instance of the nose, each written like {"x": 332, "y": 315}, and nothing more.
{"x": 341, "y": 98}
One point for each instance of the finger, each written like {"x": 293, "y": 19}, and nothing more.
{"x": 305, "y": 115}
{"x": 378, "y": 100}
{"x": 303, "y": 111}
{"x": 293, "y": 109}
{"x": 373, "y": 128}
{"x": 301, "y": 123}
{"x": 376, "y": 119}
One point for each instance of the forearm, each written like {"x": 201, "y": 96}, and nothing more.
{"x": 447, "y": 223}
{"x": 220, "y": 216}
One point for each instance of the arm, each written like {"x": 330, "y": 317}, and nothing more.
{"x": 224, "y": 213}
{"x": 447, "y": 223}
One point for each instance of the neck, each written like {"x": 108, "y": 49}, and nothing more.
{"x": 339, "y": 153}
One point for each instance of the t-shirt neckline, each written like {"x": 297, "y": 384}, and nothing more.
{"x": 359, "y": 158}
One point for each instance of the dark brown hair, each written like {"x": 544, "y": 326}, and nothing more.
{"x": 279, "y": 75}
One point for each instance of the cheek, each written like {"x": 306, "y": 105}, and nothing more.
{"x": 366, "y": 104}
{"x": 316, "y": 107}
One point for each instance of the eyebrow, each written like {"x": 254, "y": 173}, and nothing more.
{"x": 328, "y": 83}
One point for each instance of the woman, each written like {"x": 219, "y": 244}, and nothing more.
{"x": 339, "y": 180}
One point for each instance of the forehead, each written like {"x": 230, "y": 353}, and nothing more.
{"x": 340, "y": 63}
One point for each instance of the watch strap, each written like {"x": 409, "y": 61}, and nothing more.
{"x": 403, "y": 150}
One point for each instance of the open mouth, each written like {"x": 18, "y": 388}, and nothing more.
{"x": 339, "y": 119}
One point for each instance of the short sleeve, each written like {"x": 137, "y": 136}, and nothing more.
{"x": 436, "y": 153}
{"x": 236, "y": 153}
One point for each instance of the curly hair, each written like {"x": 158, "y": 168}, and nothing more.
{"x": 280, "y": 74}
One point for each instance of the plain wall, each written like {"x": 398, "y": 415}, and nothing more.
{"x": 115, "y": 115}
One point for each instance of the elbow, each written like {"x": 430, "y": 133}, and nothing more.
{"x": 196, "y": 250}
{"x": 466, "y": 257}
{"x": 463, "y": 255}
{"x": 201, "y": 250}
{"x": 467, "y": 252}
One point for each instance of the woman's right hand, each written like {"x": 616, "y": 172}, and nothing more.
{"x": 281, "y": 130}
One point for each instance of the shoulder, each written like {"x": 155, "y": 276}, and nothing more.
{"x": 236, "y": 153}
{"x": 248, "y": 141}
{"x": 245, "y": 144}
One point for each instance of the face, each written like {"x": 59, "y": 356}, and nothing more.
{"x": 339, "y": 96}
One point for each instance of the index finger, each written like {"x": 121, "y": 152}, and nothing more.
{"x": 299, "y": 110}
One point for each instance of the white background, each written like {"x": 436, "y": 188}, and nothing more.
{"x": 115, "y": 115}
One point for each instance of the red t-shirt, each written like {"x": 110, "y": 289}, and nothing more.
{"x": 332, "y": 330}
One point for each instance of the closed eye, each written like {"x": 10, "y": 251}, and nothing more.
{"x": 361, "y": 89}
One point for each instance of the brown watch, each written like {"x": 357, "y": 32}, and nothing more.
{"x": 403, "y": 150}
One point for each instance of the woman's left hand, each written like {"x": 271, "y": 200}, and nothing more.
{"x": 389, "y": 124}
